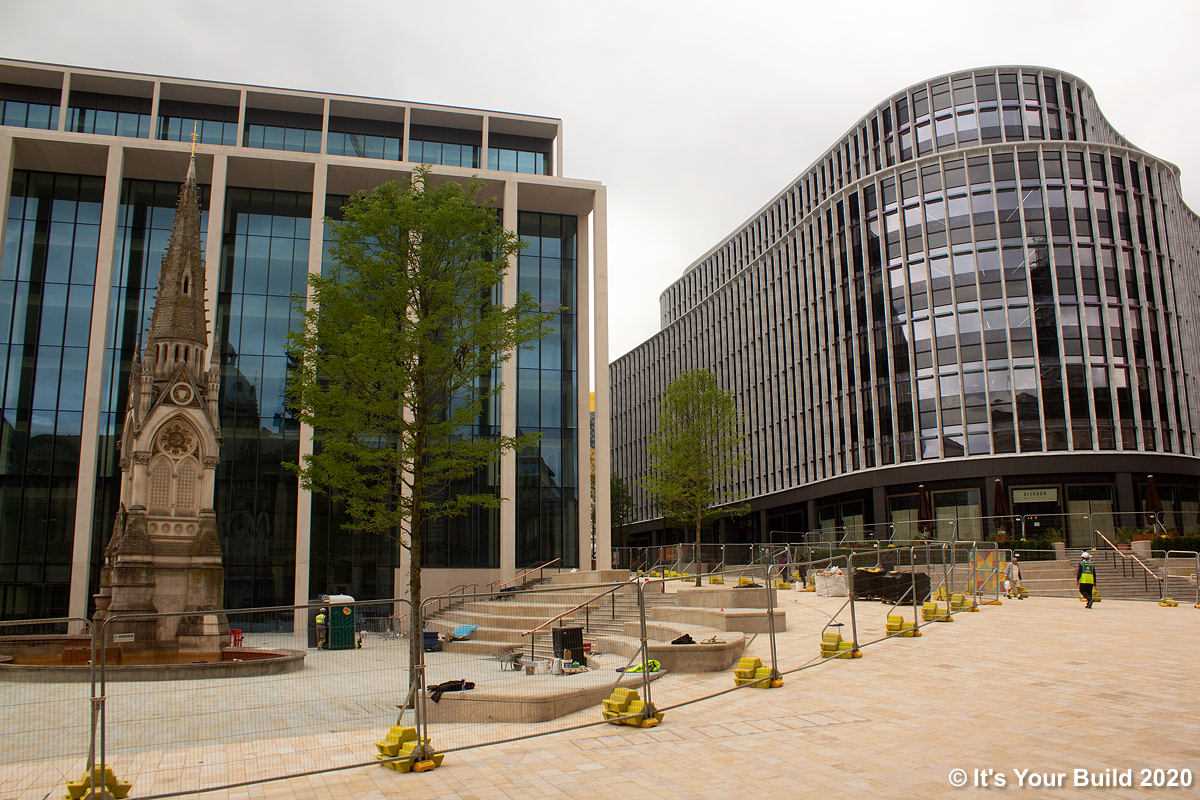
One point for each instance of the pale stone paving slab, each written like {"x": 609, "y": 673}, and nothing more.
{"x": 1041, "y": 683}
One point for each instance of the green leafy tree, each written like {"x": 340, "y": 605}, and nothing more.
{"x": 394, "y": 365}
{"x": 697, "y": 443}
{"x": 620, "y": 503}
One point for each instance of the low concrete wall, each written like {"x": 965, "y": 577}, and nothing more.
{"x": 723, "y": 597}
{"x": 687, "y": 658}
{"x": 744, "y": 620}
{"x": 482, "y": 706}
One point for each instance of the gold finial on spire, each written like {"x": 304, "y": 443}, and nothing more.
{"x": 193, "y": 138}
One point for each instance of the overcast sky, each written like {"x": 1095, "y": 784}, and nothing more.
{"x": 693, "y": 113}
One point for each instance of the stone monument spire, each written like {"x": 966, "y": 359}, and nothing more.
{"x": 179, "y": 327}
{"x": 165, "y": 555}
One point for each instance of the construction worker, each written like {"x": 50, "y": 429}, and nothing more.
{"x": 1012, "y": 577}
{"x": 322, "y": 628}
{"x": 1085, "y": 577}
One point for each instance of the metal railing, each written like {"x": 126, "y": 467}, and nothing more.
{"x": 453, "y": 596}
{"x": 522, "y": 579}
{"x": 586, "y": 606}
{"x": 1127, "y": 568}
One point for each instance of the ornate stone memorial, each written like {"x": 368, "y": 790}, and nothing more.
{"x": 165, "y": 556}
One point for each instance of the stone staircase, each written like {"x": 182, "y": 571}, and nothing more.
{"x": 503, "y": 621}
{"x": 610, "y": 622}
{"x": 1124, "y": 579}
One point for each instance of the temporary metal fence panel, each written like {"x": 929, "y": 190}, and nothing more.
{"x": 314, "y": 708}
{"x": 1181, "y": 575}
{"x": 528, "y": 662}
{"x": 44, "y": 718}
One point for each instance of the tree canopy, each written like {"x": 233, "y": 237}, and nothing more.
{"x": 396, "y": 366}
{"x": 696, "y": 446}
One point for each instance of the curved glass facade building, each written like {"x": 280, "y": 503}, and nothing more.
{"x": 982, "y": 289}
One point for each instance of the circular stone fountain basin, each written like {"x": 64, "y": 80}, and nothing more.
{"x": 64, "y": 659}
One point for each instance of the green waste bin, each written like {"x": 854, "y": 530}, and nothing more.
{"x": 341, "y": 621}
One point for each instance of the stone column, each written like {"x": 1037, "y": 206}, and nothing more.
{"x": 6, "y": 169}
{"x": 155, "y": 94}
{"x": 879, "y": 512}
{"x": 407, "y": 132}
{"x": 483, "y": 143}
{"x": 64, "y": 101}
{"x": 301, "y": 589}
{"x": 582, "y": 386}
{"x": 508, "y": 409}
{"x": 600, "y": 329}
{"x": 1126, "y": 502}
{"x": 85, "y": 495}
{"x": 558, "y": 154}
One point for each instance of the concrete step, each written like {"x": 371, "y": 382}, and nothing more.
{"x": 492, "y": 620}
{"x": 590, "y": 576}
{"x": 528, "y": 608}
{"x": 446, "y": 627}
{"x": 479, "y": 647}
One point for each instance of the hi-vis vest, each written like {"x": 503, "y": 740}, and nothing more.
{"x": 1087, "y": 572}
{"x": 320, "y": 619}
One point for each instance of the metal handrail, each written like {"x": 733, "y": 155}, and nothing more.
{"x": 1135, "y": 559}
{"x": 463, "y": 589}
{"x": 570, "y": 611}
{"x": 540, "y": 569}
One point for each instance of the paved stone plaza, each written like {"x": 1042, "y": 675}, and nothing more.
{"x": 1041, "y": 684}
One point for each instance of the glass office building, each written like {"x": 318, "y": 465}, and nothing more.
{"x": 982, "y": 292}
{"x": 92, "y": 161}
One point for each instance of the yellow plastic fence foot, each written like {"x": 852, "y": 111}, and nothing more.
{"x": 933, "y": 611}
{"x": 898, "y": 626}
{"x": 750, "y": 671}
{"x": 834, "y": 646}
{"x": 1169, "y": 602}
{"x": 626, "y": 707}
{"x": 397, "y": 751}
{"x": 960, "y": 602}
{"x": 103, "y": 780}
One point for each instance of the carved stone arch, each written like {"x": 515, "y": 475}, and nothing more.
{"x": 178, "y": 438}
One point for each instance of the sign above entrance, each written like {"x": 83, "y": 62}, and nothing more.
{"x": 1046, "y": 495}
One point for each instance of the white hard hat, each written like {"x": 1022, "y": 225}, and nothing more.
{"x": 1086, "y": 554}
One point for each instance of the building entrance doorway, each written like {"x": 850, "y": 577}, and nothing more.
{"x": 1091, "y": 509}
{"x": 1041, "y": 510}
